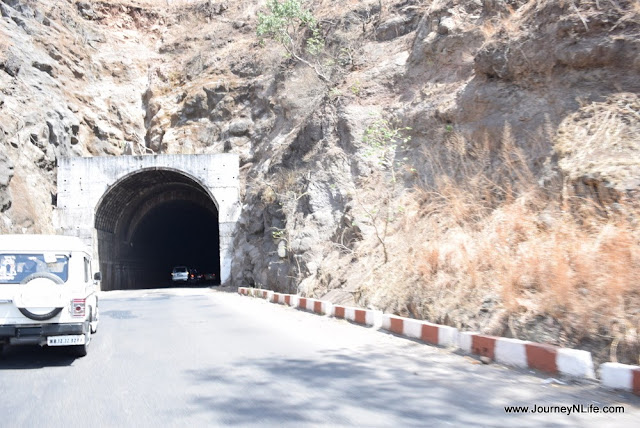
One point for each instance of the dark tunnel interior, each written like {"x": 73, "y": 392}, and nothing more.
{"x": 152, "y": 221}
{"x": 176, "y": 233}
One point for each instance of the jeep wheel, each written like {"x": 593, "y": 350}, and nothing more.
{"x": 37, "y": 317}
{"x": 93, "y": 320}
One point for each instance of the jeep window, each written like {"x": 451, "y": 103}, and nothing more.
{"x": 16, "y": 267}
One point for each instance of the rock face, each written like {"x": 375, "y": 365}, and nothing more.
{"x": 560, "y": 79}
{"x": 62, "y": 96}
{"x": 6, "y": 173}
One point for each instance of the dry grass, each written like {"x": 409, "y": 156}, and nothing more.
{"x": 584, "y": 279}
{"x": 484, "y": 248}
{"x": 601, "y": 139}
{"x": 507, "y": 23}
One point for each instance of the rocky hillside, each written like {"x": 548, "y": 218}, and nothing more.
{"x": 471, "y": 162}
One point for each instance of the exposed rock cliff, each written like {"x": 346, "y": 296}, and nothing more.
{"x": 520, "y": 119}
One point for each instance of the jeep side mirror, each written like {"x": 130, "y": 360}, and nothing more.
{"x": 97, "y": 276}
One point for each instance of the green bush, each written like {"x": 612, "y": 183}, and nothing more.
{"x": 287, "y": 24}
{"x": 296, "y": 29}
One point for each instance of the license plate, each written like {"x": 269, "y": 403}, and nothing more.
{"x": 65, "y": 340}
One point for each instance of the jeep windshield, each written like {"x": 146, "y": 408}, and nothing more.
{"x": 14, "y": 268}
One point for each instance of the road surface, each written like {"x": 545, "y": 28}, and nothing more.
{"x": 206, "y": 358}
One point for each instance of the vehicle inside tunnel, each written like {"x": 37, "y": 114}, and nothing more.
{"x": 152, "y": 221}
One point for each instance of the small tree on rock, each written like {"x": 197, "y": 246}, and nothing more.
{"x": 382, "y": 139}
{"x": 296, "y": 29}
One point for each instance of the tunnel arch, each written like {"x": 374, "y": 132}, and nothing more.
{"x": 104, "y": 200}
{"x": 151, "y": 220}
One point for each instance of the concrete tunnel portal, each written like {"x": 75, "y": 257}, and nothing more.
{"x": 144, "y": 215}
{"x": 150, "y": 222}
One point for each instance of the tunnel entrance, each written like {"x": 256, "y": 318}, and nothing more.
{"x": 151, "y": 221}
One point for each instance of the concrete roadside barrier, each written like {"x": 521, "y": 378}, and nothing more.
{"x": 521, "y": 353}
{"x": 422, "y": 330}
{"x": 621, "y": 376}
{"x": 285, "y": 299}
{"x": 263, "y": 294}
{"x": 367, "y": 317}
{"x": 291, "y": 300}
{"x": 319, "y": 307}
{"x": 256, "y": 292}
{"x": 513, "y": 352}
{"x": 278, "y": 298}
{"x": 270, "y": 296}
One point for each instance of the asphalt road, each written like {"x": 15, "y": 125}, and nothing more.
{"x": 203, "y": 358}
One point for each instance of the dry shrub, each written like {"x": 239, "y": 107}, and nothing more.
{"x": 581, "y": 277}
{"x": 284, "y": 187}
{"x": 507, "y": 23}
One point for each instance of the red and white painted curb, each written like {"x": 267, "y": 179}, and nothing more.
{"x": 621, "y": 376}
{"x": 514, "y": 352}
{"x": 521, "y": 353}
{"x": 285, "y": 299}
{"x": 427, "y": 332}
{"x": 368, "y": 317}
{"x": 319, "y": 307}
{"x": 256, "y": 292}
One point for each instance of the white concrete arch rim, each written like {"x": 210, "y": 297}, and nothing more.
{"x": 129, "y": 175}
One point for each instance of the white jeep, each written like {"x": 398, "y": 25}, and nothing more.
{"x": 47, "y": 293}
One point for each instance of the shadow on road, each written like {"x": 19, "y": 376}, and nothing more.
{"x": 341, "y": 387}
{"x": 365, "y": 387}
{"x": 34, "y": 357}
